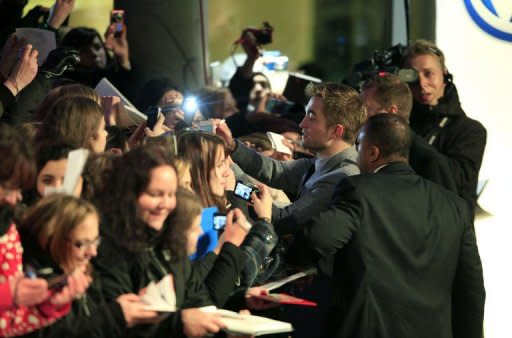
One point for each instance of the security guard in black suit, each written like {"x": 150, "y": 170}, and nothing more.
{"x": 406, "y": 258}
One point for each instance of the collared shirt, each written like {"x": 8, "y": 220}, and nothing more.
{"x": 319, "y": 165}
{"x": 379, "y": 168}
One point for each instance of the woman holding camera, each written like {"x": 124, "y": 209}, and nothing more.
{"x": 214, "y": 181}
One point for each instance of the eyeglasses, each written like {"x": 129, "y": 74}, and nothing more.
{"x": 82, "y": 244}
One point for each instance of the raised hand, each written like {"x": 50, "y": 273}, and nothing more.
{"x": 262, "y": 202}
{"x": 236, "y": 228}
{"x": 10, "y": 53}
{"x": 222, "y": 129}
{"x": 111, "y": 109}
{"x": 119, "y": 45}
{"x": 24, "y": 70}
{"x": 61, "y": 10}
{"x": 158, "y": 129}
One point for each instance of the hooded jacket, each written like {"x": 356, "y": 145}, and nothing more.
{"x": 459, "y": 138}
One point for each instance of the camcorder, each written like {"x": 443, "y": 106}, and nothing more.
{"x": 386, "y": 60}
{"x": 262, "y": 36}
{"x": 244, "y": 190}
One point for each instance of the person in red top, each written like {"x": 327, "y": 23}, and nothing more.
{"x": 25, "y": 304}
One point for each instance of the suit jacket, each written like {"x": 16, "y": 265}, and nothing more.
{"x": 406, "y": 259}
{"x": 289, "y": 177}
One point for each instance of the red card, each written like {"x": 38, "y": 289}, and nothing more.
{"x": 283, "y": 298}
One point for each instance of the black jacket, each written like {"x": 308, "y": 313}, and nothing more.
{"x": 6, "y": 100}
{"x": 123, "y": 272}
{"x": 462, "y": 140}
{"x": 90, "y": 316}
{"x": 407, "y": 262}
{"x": 430, "y": 164}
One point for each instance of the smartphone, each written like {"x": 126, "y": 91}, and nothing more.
{"x": 170, "y": 108}
{"x": 55, "y": 282}
{"x": 58, "y": 283}
{"x": 117, "y": 19}
{"x": 206, "y": 126}
{"x": 189, "y": 107}
{"x": 244, "y": 190}
{"x": 219, "y": 221}
{"x": 152, "y": 113}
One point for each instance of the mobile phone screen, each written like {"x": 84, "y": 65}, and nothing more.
{"x": 243, "y": 191}
{"x": 219, "y": 221}
{"x": 117, "y": 18}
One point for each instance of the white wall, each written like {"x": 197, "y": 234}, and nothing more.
{"x": 481, "y": 65}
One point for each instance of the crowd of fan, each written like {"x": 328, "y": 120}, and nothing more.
{"x": 134, "y": 215}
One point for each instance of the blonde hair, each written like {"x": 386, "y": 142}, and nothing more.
{"x": 425, "y": 47}
{"x": 71, "y": 90}
{"x": 187, "y": 208}
{"x": 182, "y": 166}
{"x": 52, "y": 220}
{"x": 75, "y": 119}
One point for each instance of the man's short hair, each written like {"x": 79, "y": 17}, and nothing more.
{"x": 389, "y": 90}
{"x": 390, "y": 133}
{"x": 342, "y": 105}
{"x": 425, "y": 47}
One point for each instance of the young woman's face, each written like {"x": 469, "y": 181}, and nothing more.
{"x": 84, "y": 241}
{"x": 159, "y": 199}
{"x": 52, "y": 175}
{"x": 99, "y": 142}
{"x": 219, "y": 173}
{"x": 193, "y": 234}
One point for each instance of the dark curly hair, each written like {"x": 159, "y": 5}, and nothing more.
{"x": 123, "y": 184}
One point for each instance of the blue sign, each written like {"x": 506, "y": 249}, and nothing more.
{"x": 493, "y": 16}
{"x": 207, "y": 242}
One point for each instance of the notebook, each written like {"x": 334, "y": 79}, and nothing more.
{"x": 249, "y": 324}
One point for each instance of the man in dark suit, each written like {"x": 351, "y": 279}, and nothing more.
{"x": 406, "y": 259}
{"x": 386, "y": 93}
